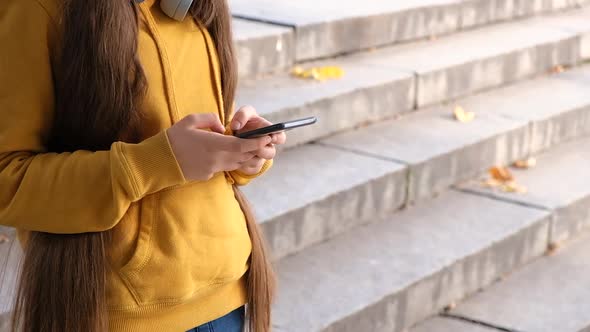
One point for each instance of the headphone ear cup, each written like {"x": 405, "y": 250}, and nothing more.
{"x": 176, "y": 9}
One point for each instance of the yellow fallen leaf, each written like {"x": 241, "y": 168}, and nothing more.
{"x": 297, "y": 70}
{"x": 558, "y": 69}
{"x": 463, "y": 116}
{"x": 318, "y": 73}
{"x": 525, "y": 163}
{"x": 501, "y": 174}
{"x": 502, "y": 179}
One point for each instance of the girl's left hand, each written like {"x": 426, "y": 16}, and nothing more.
{"x": 246, "y": 119}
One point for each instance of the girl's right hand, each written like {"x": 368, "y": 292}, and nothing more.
{"x": 202, "y": 153}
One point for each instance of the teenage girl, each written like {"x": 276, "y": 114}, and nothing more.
{"x": 119, "y": 169}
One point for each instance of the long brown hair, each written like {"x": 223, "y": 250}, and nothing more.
{"x": 98, "y": 83}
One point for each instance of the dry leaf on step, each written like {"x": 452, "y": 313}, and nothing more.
{"x": 501, "y": 174}
{"x": 525, "y": 163}
{"x": 4, "y": 238}
{"x": 552, "y": 249}
{"x": 502, "y": 178}
{"x": 557, "y": 69}
{"x": 463, "y": 116}
{"x": 318, "y": 73}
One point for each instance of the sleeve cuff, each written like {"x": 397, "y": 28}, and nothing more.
{"x": 150, "y": 165}
{"x": 242, "y": 179}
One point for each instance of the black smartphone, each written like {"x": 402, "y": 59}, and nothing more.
{"x": 278, "y": 127}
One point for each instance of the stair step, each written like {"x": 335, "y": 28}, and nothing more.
{"x": 392, "y": 81}
{"x": 355, "y": 177}
{"x": 262, "y": 48}
{"x": 330, "y": 27}
{"x": 313, "y": 193}
{"x": 391, "y": 274}
{"x": 395, "y": 272}
{"x": 560, "y": 182}
{"x": 548, "y": 295}
{"x": 444, "y": 324}
{"x": 515, "y": 121}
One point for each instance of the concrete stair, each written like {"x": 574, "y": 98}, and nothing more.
{"x": 551, "y": 294}
{"x": 395, "y": 272}
{"x": 440, "y": 324}
{"x": 319, "y": 29}
{"x": 352, "y": 178}
{"x": 401, "y": 268}
{"x": 397, "y": 80}
{"x": 262, "y": 48}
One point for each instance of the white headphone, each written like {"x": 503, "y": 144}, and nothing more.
{"x": 176, "y": 9}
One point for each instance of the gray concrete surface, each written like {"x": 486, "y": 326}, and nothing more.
{"x": 440, "y": 324}
{"x": 262, "y": 48}
{"x": 365, "y": 93}
{"x": 557, "y": 107}
{"x": 388, "y": 82}
{"x": 441, "y": 151}
{"x": 370, "y": 177}
{"x": 549, "y": 295}
{"x": 331, "y": 27}
{"x": 479, "y": 12}
{"x": 314, "y": 193}
{"x": 389, "y": 275}
{"x": 489, "y": 57}
{"x": 560, "y": 182}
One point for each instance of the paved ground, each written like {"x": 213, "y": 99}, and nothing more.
{"x": 548, "y": 295}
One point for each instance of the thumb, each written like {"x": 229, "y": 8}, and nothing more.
{"x": 203, "y": 121}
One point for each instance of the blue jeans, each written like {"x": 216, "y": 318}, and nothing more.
{"x": 232, "y": 322}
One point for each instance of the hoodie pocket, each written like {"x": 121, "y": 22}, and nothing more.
{"x": 190, "y": 238}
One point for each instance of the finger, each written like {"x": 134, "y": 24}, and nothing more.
{"x": 279, "y": 138}
{"x": 253, "y": 166}
{"x": 242, "y": 116}
{"x": 229, "y": 161}
{"x": 203, "y": 121}
{"x": 268, "y": 152}
{"x": 234, "y": 144}
{"x": 253, "y": 162}
{"x": 245, "y": 157}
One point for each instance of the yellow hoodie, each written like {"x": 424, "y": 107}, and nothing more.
{"x": 180, "y": 249}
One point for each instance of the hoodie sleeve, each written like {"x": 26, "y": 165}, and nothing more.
{"x": 64, "y": 193}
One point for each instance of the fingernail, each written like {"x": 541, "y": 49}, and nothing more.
{"x": 237, "y": 125}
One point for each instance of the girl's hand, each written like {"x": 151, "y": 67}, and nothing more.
{"x": 202, "y": 153}
{"x": 246, "y": 119}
